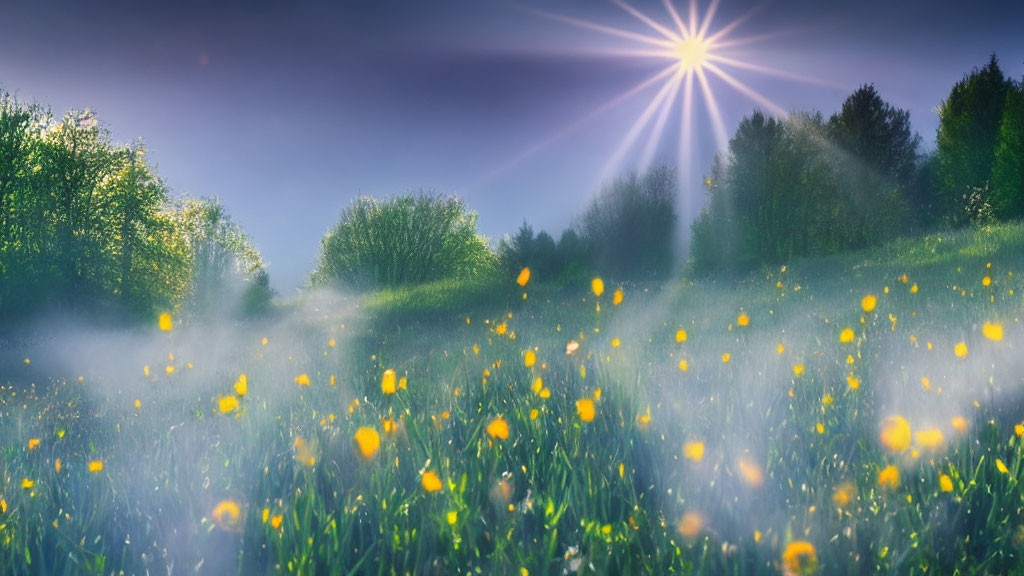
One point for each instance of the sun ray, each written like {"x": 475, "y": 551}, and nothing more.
{"x": 686, "y": 147}
{"x": 706, "y": 23}
{"x": 647, "y": 20}
{"x": 603, "y": 29}
{"x": 565, "y": 131}
{"x": 635, "y": 130}
{"x": 675, "y": 17}
{"x": 724, "y": 31}
{"x": 659, "y": 123}
{"x": 747, "y": 91}
{"x": 717, "y": 124}
{"x": 693, "y": 18}
{"x": 769, "y": 71}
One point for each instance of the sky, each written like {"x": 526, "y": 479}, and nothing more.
{"x": 287, "y": 111}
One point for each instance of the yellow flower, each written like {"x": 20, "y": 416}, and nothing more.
{"x": 987, "y": 280}
{"x": 945, "y": 483}
{"x": 387, "y": 382}
{"x": 780, "y": 348}
{"x": 680, "y": 335}
{"x": 96, "y": 466}
{"x": 683, "y": 366}
{"x": 3, "y": 506}
{"x": 694, "y": 451}
{"x": 750, "y": 471}
{"x": 960, "y": 350}
{"x": 302, "y": 380}
{"x": 430, "y": 482}
{"x": 242, "y": 386}
{"x": 843, "y": 494}
{"x": 571, "y": 346}
{"x": 26, "y": 483}
{"x": 726, "y": 357}
{"x": 929, "y": 439}
{"x": 524, "y": 277}
{"x": 585, "y": 409}
{"x": 889, "y": 477}
{"x": 166, "y": 324}
{"x": 616, "y": 343}
{"x": 868, "y": 303}
{"x": 138, "y": 403}
{"x": 275, "y": 521}
{"x": 331, "y": 343}
{"x": 798, "y": 369}
{"x": 799, "y": 559}
{"x": 367, "y": 441}
{"x": 597, "y": 285}
{"x": 743, "y": 319}
{"x": 1018, "y": 429}
{"x": 228, "y": 516}
{"x": 227, "y": 404}
{"x": 846, "y": 336}
{"x": 852, "y": 382}
{"x": 1002, "y": 467}
{"x": 895, "y": 434}
{"x": 961, "y": 424}
{"x": 32, "y": 443}
{"x": 498, "y": 428}
{"x": 169, "y": 369}
{"x": 529, "y": 358}
{"x": 617, "y": 297}
{"x": 145, "y": 370}
{"x": 993, "y": 332}
{"x": 303, "y": 452}
{"x": 689, "y": 525}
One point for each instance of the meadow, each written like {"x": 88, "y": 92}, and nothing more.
{"x": 857, "y": 414}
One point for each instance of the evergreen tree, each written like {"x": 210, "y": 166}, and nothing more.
{"x": 1008, "y": 167}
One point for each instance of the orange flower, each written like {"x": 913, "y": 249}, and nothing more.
{"x": 750, "y": 471}
{"x": 889, "y": 477}
{"x": 693, "y": 451}
{"x": 303, "y": 452}
{"x": 32, "y": 443}
{"x": 743, "y": 319}
{"x": 993, "y": 332}
{"x": 387, "y": 382}
{"x": 228, "y": 516}
{"x": 690, "y": 525}
{"x": 799, "y": 559}
{"x": 96, "y": 466}
{"x": 960, "y": 349}
{"x": 617, "y": 297}
{"x": 430, "y": 482}
{"x": 868, "y": 303}
{"x": 302, "y": 380}
{"x": 895, "y": 434}
{"x": 498, "y": 428}
{"x": 585, "y": 409}
{"x": 524, "y": 277}
{"x": 227, "y": 404}
{"x": 367, "y": 441}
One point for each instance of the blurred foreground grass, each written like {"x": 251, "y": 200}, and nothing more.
{"x": 782, "y": 423}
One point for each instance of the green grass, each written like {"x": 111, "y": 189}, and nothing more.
{"x": 604, "y": 496}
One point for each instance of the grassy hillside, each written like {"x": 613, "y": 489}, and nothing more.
{"x": 771, "y": 425}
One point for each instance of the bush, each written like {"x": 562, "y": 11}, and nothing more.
{"x": 403, "y": 240}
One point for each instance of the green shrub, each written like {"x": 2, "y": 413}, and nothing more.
{"x": 403, "y": 240}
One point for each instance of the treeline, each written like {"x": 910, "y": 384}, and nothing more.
{"x": 87, "y": 225}
{"x": 807, "y": 186}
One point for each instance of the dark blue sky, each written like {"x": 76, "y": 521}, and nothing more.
{"x": 288, "y": 110}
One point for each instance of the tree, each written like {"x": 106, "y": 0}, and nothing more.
{"x": 1008, "y": 167}
{"x": 628, "y": 228}
{"x": 221, "y": 261}
{"x": 968, "y": 133}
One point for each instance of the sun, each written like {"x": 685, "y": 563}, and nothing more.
{"x": 691, "y": 53}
